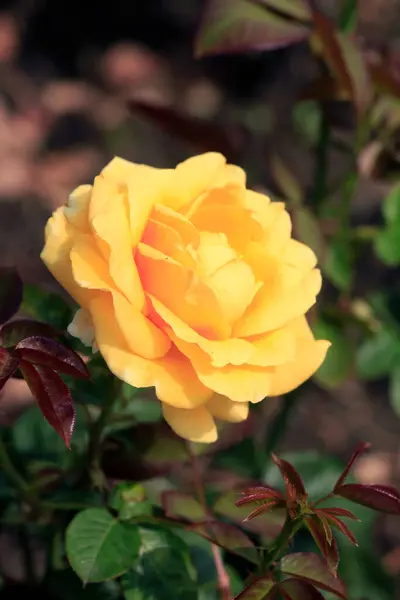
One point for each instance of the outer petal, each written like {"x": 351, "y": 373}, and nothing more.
{"x": 109, "y": 217}
{"x": 59, "y": 235}
{"x": 223, "y": 408}
{"x": 239, "y": 383}
{"x": 274, "y": 348}
{"x": 193, "y": 177}
{"x": 196, "y": 425}
{"x": 309, "y": 357}
{"x": 279, "y": 301}
{"x": 77, "y": 208}
{"x": 173, "y": 376}
{"x": 89, "y": 268}
{"x": 145, "y": 186}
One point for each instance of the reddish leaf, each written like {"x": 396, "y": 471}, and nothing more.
{"x": 261, "y": 588}
{"x": 49, "y": 353}
{"x": 339, "y": 512}
{"x": 360, "y": 449}
{"x": 8, "y": 365}
{"x": 53, "y": 398}
{"x": 259, "y": 494}
{"x": 384, "y": 79}
{"x": 13, "y": 332}
{"x": 203, "y": 135}
{"x": 180, "y": 505}
{"x": 269, "y": 526}
{"x": 311, "y": 568}
{"x": 295, "y": 489}
{"x": 345, "y": 60}
{"x": 343, "y": 528}
{"x": 383, "y": 498}
{"x": 326, "y": 543}
{"x": 228, "y": 537}
{"x": 237, "y": 26}
{"x": 260, "y": 510}
{"x": 294, "y": 589}
{"x": 296, "y": 9}
{"x": 11, "y": 289}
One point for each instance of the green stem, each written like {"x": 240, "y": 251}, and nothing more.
{"x": 321, "y": 164}
{"x": 280, "y": 544}
{"x": 10, "y": 472}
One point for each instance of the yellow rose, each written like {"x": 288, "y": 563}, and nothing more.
{"x": 190, "y": 283}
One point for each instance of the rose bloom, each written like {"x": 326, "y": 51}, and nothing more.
{"x": 191, "y": 283}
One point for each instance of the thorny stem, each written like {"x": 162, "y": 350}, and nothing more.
{"x": 223, "y": 578}
{"x": 100, "y": 423}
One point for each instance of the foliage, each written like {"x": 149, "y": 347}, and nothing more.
{"x": 113, "y": 503}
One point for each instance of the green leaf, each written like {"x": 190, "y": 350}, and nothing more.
{"x": 99, "y": 547}
{"x": 338, "y": 264}
{"x": 391, "y": 206}
{"x": 237, "y": 26}
{"x": 394, "y": 389}
{"x": 180, "y": 505}
{"x": 286, "y": 181}
{"x": 32, "y": 437}
{"x": 387, "y": 245}
{"x": 363, "y": 573}
{"x": 309, "y": 231}
{"x": 130, "y": 501}
{"x": 46, "y": 306}
{"x": 306, "y": 117}
{"x": 378, "y": 355}
{"x": 164, "y": 569}
{"x": 338, "y": 363}
{"x": 348, "y": 16}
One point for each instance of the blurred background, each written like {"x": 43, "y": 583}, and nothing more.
{"x": 81, "y": 82}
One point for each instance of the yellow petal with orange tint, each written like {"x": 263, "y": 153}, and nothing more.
{"x": 108, "y": 214}
{"x": 141, "y": 335}
{"x": 243, "y": 383}
{"x": 235, "y": 287}
{"x": 277, "y": 303}
{"x": 89, "y": 268}
{"x": 193, "y": 177}
{"x": 173, "y": 376}
{"x": 77, "y": 208}
{"x": 239, "y": 226}
{"x": 277, "y": 228}
{"x": 59, "y": 236}
{"x": 221, "y": 352}
{"x": 309, "y": 357}
{"x": 274, "y": 348}
{"x": 196, "y": 425}
{"x": 223, "y": 408}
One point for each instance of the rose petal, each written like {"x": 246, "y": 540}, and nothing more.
{"x": 223, "y": 408}
{"x": 59, "y": 236}
{"x": 173, "y": 376}
{"x": 309, "y": 357}
{"x": 196, "y": 425}
{"x": 193, "y": 177}
{"x": 110, "y": 221}
{"x": 76, "y": 210}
